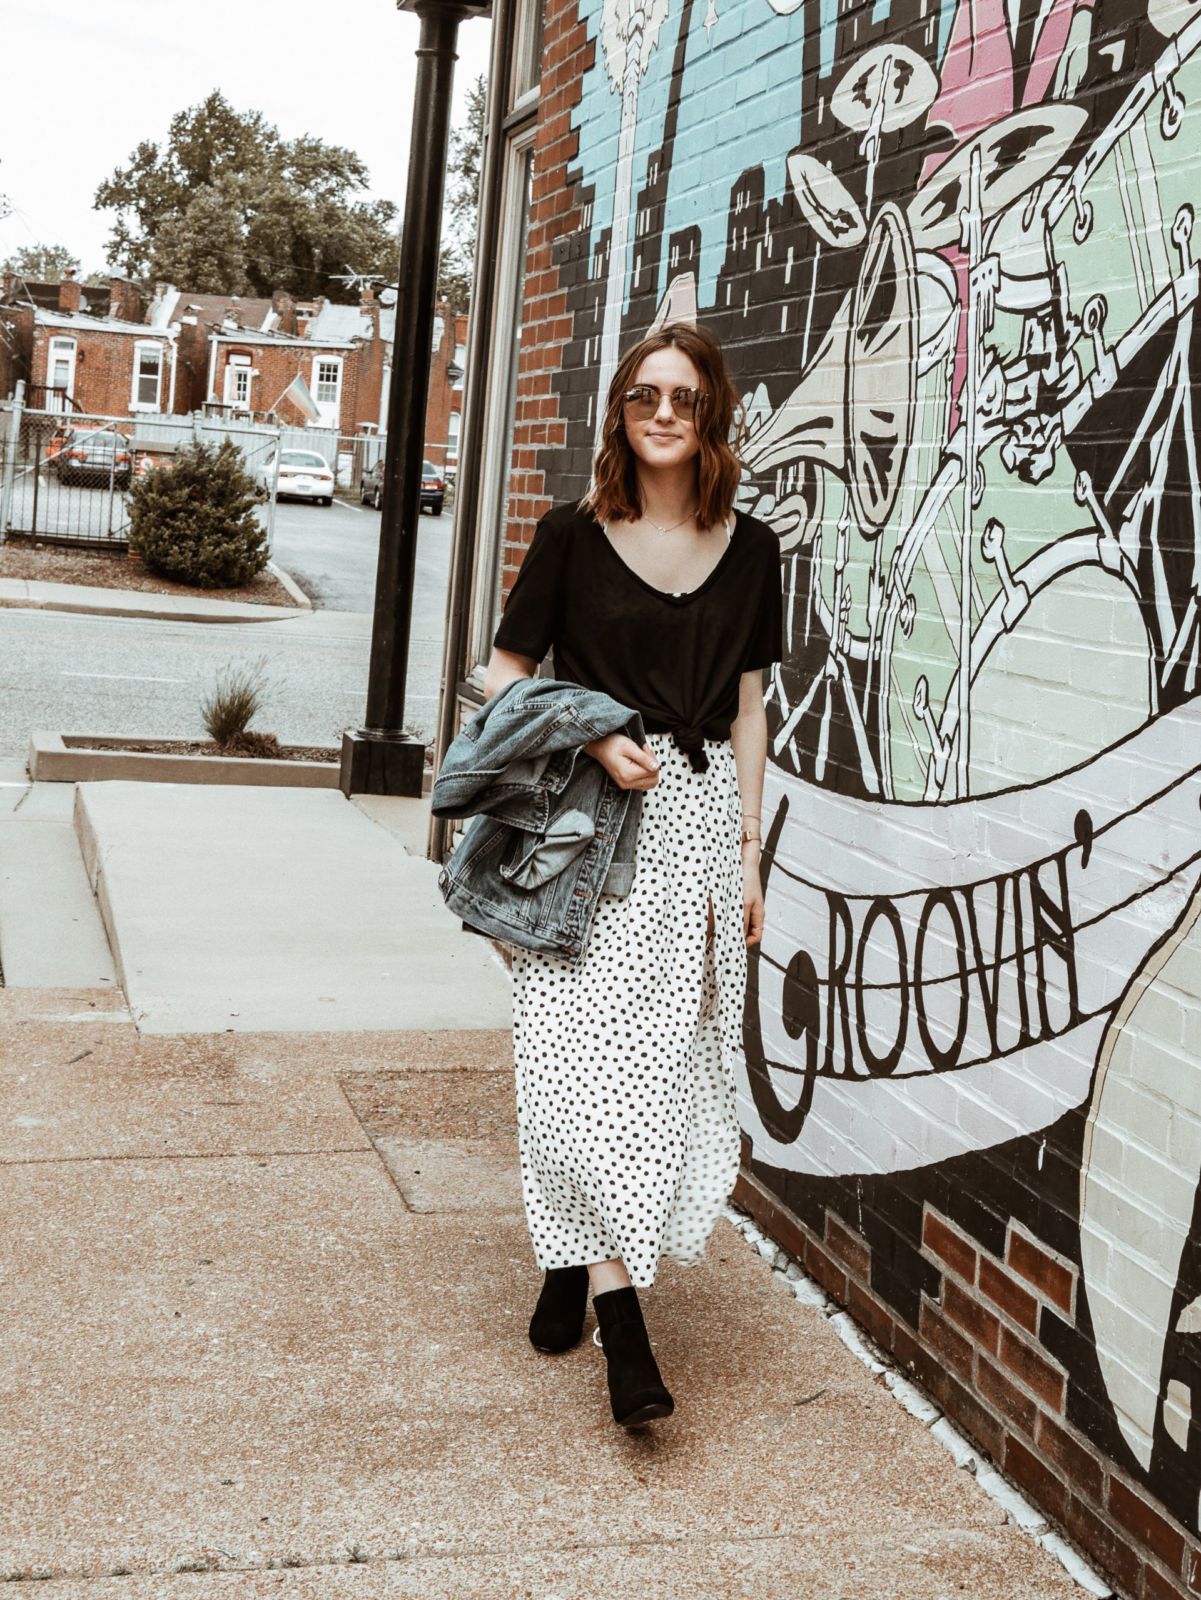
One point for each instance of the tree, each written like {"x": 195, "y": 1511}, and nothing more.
{"x": 42, "y": 263}
{"x": 463, "y": 201}
{"x": 228, "y": 206}
{"x": 196, "y": 520}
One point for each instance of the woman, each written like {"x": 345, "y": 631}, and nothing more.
{"x": 657, "y": 592}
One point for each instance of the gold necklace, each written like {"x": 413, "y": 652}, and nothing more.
{"x": 660, "y": 529}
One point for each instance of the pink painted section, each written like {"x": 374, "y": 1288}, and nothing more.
{"x": 976, "y": 79}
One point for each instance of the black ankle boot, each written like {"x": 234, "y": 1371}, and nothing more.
{"x": 636, "y": 1390}
{"x": 558, "y": 1319}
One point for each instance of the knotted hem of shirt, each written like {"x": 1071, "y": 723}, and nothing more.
{"x": 691, "y": 741}
{"x": 688, "y": 737}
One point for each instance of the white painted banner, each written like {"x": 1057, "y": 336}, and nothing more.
{"x": 937, "y": 979}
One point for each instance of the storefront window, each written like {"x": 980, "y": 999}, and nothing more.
{"x": 506, "y": 347}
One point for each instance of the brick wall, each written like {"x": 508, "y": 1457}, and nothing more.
{"x": 276, "y": 365}
{"x": 16, "y": 345}
{"x": 547, "y": 343}
{"x": 445, "y": 396}
{"x": 103, "y": 366}
{"x": 952, "y": 269}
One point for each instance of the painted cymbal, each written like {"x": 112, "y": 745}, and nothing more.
{"x": 890, "y": 82}
{"x": 830, "y": 208}
{"x": 1016, "y": 152}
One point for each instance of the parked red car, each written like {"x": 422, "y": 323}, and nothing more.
{"x": 96, "y": 455}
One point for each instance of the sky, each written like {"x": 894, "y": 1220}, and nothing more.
{"x": 95, "y": 81}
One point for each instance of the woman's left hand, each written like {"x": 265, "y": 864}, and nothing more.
{"x": 752, "y": 894}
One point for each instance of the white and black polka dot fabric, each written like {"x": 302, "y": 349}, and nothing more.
{"x": 627, "y": 1126}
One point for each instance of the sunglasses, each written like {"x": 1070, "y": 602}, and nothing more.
{"x": 643, "y": 400}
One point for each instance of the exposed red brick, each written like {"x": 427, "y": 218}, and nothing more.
{"x": 906, "y": 1350}
{"x": 1158, "y": 1587}
{"x": 1035, "y": 1477}
{"x": 779, "y": 1222}
{"x": 1035, "y": 1371}
{"x": 1051, "y": 1278}
{"x": 961, "y": 1404}
{"x": 1000, "y": 1288}
{"x": 868, "y": 1311}
{"x": 944, "y": 1340}
{"x": 1109, "y": 1548}
{"x": 1081, "y": 1467}
{"x": 1147, "y": 1524}
{"x": 848, "y": 1246}
{"x": 826, "y": 1271}
{"x": 1011, "y": 1401}
{"x": 971, "y": 1316}
{"x": 949, "y": 1246}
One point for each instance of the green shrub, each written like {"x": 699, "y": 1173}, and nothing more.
{"x": 234, "y": 703}
{"x": 195, "y": 521}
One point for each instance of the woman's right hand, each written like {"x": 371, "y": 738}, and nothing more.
{"x": 631, "y": 766}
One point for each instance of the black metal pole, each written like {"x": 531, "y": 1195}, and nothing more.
{"x": 380, "y": 758}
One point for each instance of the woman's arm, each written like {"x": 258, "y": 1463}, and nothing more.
{"x": 626, "y": 764}
{"x": 505, "y": 667}
{"x": 748, "y": 736}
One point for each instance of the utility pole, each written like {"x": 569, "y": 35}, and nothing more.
{"x": 379, "y": 758}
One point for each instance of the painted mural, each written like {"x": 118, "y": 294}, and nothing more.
{"x": 948, "y": 249}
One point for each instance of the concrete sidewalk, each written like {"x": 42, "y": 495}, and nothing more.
{"x": 268, "y": 1299}
{"x": 94, "y": 601}
{"x": 221, "y": 908}
{"x": 267, "y": 1291}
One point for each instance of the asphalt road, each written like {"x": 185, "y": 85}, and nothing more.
{"x": 68, "y": 673}
{"x": 332, "y": 551}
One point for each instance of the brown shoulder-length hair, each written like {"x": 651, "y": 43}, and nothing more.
{"x": 615, "y": 495}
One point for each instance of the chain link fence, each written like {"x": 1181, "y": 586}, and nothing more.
{"x": 65, "y": 477}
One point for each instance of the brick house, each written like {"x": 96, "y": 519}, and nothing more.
{"x": 111, "y": 352}
{"x": 88, "y": 349}
{"x": 344, "y": 355}
{"x": 955, "y": 295}
{"x": 444, "y": 412}
{"x": 199, "y": 315}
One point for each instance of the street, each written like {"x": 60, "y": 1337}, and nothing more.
{"x": 332, "y": 552}
{"x": 61, "y": 672}
{"x": 114, "y": 675}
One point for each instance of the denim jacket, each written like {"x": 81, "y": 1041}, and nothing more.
{"x": 552, "y": 831}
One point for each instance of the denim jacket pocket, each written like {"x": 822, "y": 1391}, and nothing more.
{"x": 566, "y": 835}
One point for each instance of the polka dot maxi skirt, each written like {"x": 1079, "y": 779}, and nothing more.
{"x": 626, "y": 1117}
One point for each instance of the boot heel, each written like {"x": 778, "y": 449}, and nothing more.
{"x": 637, "y": 1393}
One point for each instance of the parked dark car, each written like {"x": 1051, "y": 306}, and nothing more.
{"x": 433, "y": 487}
{"x": 93, "y": 455}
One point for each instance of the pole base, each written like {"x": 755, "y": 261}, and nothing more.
{"x": 378, "y": 763}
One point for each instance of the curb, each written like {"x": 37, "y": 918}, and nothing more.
{"x": 288, "y": 582}
{"x": 74, "y": 758}
{"x": 93, "y": 866}
{"x": 90, "y": 602}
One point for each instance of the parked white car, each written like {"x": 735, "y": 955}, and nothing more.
{"x": 304, "y": 474}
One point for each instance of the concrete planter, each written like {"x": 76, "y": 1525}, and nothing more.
{"x": 84, "y": 758}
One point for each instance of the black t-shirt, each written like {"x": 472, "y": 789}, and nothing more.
{"x": 675, "y": 658}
